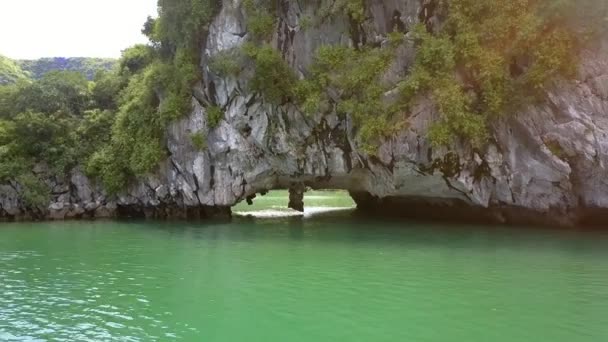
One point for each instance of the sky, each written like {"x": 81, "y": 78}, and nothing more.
{"x": 32, "y": 29}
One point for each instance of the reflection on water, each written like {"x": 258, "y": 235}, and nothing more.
{"x": 325, "y": 278}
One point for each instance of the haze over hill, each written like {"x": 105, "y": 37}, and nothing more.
{"x": 71, "y": 35}
{"x": 13, "y": 70}
{"x": 86, "y": 65}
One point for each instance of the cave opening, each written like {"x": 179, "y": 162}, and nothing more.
{"x": 295, "y": 201}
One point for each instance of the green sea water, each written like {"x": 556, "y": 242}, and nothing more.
{"x": 319, "y": 278}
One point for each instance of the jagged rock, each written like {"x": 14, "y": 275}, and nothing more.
{"x": 10, "y": 204}
{"x": 57, "y": 211}
{"x": 82, "y": 186}
{"x": 91, "y": 206}
{"x": 75, "y": 211}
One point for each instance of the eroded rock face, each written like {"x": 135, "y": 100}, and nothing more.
{"x": 545, "y": 164}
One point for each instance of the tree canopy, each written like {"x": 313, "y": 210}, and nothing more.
{"x": 10, "y": 71}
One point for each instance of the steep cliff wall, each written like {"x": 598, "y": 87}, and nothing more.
{"x": 546, "y": 163}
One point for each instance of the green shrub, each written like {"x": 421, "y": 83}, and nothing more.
{"x": 261, "y": 18}
{"x": 355, "y": 9}
{"x": 273, "y": 77}
{"x": 8, "y": 95}
{"x": 305, "y": 23}
{"x": 215, "y": 115}
{"x": 109, "y": 166}
{"x": 489, "y": 58}
{"x": 199, "y": 140}
{"x": 182, "y": 24}
{"x": 93, "y": 130}
{"x": 176, "y": 79}
{"x": 226, "y": 63}
{"x": 105, "y": 89}
{"x": 136, "y": 145}
{"x": 174, "y": 106}
{"x": 148, "y": 150}
{"x": 355, "y": 75}
{"x": 261, "y": 25}
{"x": 310, "y": 96}
{"x": 396, "y": 38}
{"x": 135, "y": 59}
{"x": 34, "y": 191}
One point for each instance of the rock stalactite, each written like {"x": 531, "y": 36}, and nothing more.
{"x": 296, "y": 197}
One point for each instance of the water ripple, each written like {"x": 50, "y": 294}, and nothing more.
{"x": 300, "y": 281}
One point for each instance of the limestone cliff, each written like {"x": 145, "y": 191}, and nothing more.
{"x": 546, "y": 163}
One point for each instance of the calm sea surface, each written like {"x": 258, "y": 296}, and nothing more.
{"x": 322, "y": 278}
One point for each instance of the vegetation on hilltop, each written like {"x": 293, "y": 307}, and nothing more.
{"x": 10, "y": 71}
{"x": 84, "y": 65}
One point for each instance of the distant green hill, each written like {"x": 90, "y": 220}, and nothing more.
{"x": 10, "y": 71}
{"x": 87, "y": 66}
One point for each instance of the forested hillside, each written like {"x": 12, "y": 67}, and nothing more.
{"x": 10, "y": 71}
{"x": 86, "y": 66}
{"x": 13, "y": 70}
